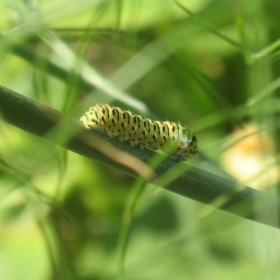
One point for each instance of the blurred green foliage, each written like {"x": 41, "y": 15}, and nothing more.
{"x": 61, "y": 214}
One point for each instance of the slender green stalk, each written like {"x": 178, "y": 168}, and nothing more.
{"x": 127, "y": 218}
{"x": 208, "y": 26}
{"x": 195, "y": 184}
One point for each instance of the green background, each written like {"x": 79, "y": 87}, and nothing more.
{"x": 215, "y": 70}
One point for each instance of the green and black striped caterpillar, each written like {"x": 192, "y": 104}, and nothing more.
{"x": 142, "y": 132}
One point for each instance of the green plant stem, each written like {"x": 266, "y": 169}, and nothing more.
{"x": 127, "y": 218}
{"x": 195, "y": 184}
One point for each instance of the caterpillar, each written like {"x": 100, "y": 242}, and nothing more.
{"x": 142, "y": 132}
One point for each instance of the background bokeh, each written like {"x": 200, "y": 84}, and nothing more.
{"x": 215, "y": 70}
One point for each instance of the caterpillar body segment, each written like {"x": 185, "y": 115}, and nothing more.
{"x": 142, "y": 132}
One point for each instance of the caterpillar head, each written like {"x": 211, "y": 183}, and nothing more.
{"x": 187, "y": 150}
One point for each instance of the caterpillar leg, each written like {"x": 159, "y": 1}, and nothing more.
{"x": 133, "y": 143}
